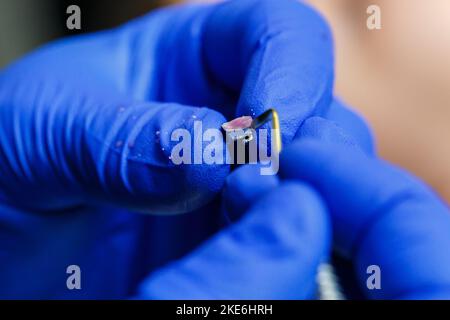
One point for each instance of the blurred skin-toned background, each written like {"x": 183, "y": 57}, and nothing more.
{"x": 398, "y": 77}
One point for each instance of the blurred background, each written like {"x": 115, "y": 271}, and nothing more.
{"x": 398, "y": 77}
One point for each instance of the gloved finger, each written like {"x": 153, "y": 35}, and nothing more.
{"x": 352, "y": 123}
{"x": 381, "y": 216}
{"x": 275, "y": 54}
{"x": 60, "y": 148}
{"x": 243, "y": 187}
{"x": 245, "y": 184}
{"x": 268, "y": 254}
{"x": 325, "y": 131}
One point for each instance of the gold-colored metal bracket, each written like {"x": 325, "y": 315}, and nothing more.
{"x": 242, "y": 130}
{"x": 270, "y": 114}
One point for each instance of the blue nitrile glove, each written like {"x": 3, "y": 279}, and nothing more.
{"x": 381, "y": 215}
{"x": 85, "y": 125}
{"x": 279, "y": 236}
{"x": 273, "y": 252}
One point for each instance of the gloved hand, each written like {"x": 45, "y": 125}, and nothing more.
{"x": 85, "y": 125}
{"x": 381, "y": 215}
{"x": 273, "y": 252}
{"x": 279, "y": 233}
{"x": 89, "y": 118}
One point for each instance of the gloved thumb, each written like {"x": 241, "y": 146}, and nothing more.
{"x": 273, "y": 252}
{"x": 64, "y": 149}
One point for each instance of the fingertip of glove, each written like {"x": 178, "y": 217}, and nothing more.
{"x": 294, "y": 198}
{"x": 243, "y": 187}
{"x": 353, "y": 123}
{"x": 207, "y": 177}
{"x": 319, "y": 144}
{"x": 294, "y": 209}
{"x": 296, "y": 153}
{"x": 326, "y": 131}
{"x": 204, "y": 178}
{"x": 143, "y": 170}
